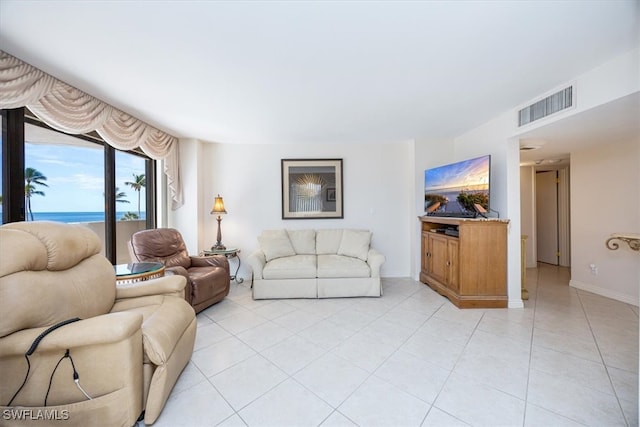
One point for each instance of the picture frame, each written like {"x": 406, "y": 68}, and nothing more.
{"x": 331, "y": 194}
{"x": 312, "y": 189}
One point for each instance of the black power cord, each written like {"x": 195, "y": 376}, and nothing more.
{"x": 32, "y": 349}
{"x": 76, "y": 377}
{"x": 66, "y": 354}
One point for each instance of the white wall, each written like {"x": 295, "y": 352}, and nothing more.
{"x": 605, "y": 199}
{"x": 378, "y": 195}
{"x": 611, "y": 80}
{"x": 187, "y": 218}
{"x": 527, "y": 213}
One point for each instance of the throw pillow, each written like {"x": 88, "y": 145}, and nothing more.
{"x": 328, "y": 241}
{"x": 355, "y": 243}
{"x": 303, "y": 241}
{"x": 275, "y": 244}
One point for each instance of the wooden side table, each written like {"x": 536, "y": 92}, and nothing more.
{"x": 138, "y": 272}
{"x": 230, "y": 253}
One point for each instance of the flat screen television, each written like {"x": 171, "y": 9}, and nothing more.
{"x": 458, "y": 189}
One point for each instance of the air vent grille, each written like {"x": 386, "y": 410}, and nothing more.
{"x": 551, "y": 104}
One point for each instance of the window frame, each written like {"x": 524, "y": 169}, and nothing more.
{"x": 13, "y": 164}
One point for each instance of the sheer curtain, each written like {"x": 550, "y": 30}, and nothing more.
{"x": 70, "y": 110}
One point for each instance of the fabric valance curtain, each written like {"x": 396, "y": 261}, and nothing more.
{"x": 70, "y": 110}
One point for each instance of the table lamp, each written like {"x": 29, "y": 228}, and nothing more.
{"x": 218, "y": 208}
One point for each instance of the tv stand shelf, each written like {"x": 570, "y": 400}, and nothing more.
{"x": 471, "y": 268}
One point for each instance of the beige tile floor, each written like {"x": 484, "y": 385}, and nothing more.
{"x": 411, "y": 358}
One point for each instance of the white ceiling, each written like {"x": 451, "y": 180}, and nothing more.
{"x": 332, "y": 71}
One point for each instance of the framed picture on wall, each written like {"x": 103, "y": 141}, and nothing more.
{"x": 312, "y": 188}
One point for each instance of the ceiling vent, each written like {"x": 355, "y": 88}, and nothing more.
{"x": 551, "y": 104}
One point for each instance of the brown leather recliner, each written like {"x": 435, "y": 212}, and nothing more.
{"x": 208, "y": 278}
{"x": 128, "y": 349}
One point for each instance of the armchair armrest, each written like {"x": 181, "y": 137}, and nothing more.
{"x": 104, "y": 329}
{"x": 210, "y": 261}
{"x": 167, "y": 285}
{"x": 106, "y": 351}
{"x": 257, "y": 261}
{"x": 375, "y": 260}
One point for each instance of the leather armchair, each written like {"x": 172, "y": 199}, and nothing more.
{"x": 126, "y": 349}
{"x": 208, "y": 278}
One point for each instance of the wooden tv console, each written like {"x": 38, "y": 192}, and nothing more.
{"x": 469, "y": 268}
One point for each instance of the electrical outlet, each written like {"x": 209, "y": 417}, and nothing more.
{"x": 594, "y": 269}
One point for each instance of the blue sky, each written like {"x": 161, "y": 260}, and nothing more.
{"x": 75, "y": 177}
{"x": 461, "y": 174}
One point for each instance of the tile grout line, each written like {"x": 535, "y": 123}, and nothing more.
{"x": 533, "y": 327}
{"x": 604, "y": 364}
{"x": 444, "y": 383}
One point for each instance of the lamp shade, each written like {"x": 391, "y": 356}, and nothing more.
{"x": 218, "y": 206}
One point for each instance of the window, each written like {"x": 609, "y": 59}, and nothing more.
{"x": 131, "y": 183}
{"x": 130, "y": 197}
{"x": 64, "y": 177}
{"x": 50, "y": 175}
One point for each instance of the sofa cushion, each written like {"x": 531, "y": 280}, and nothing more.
{"x": 341, "y": 266}
{"x": 275, "y": 244}
{"x": 355, "y": 243}
{"x": 291, "y": 267}
{"x": 303, "y": 241}
{"x": 328, "y": 241}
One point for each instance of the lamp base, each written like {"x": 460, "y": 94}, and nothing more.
{"x": 218, "y": 247}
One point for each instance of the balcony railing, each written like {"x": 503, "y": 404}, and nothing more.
{"x": 124, "y": 231}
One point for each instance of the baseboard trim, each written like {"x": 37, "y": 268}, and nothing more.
{"x": 516, "y": 303}
{"x": 604, "y": 292}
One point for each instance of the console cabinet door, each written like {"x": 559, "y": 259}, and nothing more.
{"x": 424, "y": 261}
{"x": 438, "y": 259}
{"x": 452, "y": 265}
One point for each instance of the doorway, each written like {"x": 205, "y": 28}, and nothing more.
{"x": 552, "y": 217}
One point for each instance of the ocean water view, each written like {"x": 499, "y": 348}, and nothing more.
{"x": 69, "y": 217}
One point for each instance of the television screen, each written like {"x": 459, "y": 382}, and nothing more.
{"x": 458, "y": 188}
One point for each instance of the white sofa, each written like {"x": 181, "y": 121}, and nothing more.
{"x": 316, "y": 264}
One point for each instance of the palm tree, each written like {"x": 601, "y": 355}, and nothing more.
{"x": 121, "y": 196}
{"x": 129, "y": 216}
{"x": 32, "y": 177}
{"x": 138, "y": 183}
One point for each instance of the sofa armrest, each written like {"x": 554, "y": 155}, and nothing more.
{"x": 167, "y": 285}
{"x": 375, "y": 260}
{"x": 257, "y": 261}
{"x": 210, "y": 261}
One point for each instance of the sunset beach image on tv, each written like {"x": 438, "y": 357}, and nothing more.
{"x": 458, "y": 187}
